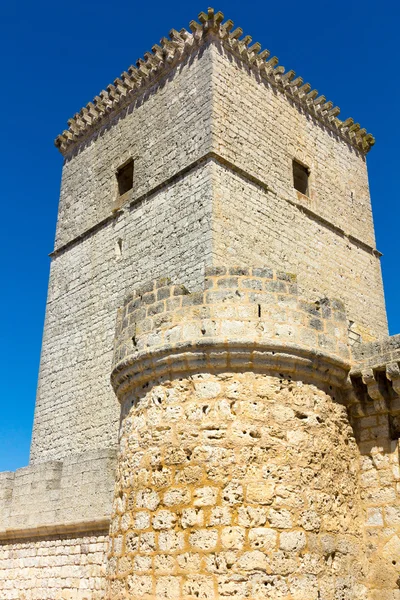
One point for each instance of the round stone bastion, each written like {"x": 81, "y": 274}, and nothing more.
{"x": 238, "y": 469}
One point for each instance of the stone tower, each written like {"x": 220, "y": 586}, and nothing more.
{"x": 215, "y": 253}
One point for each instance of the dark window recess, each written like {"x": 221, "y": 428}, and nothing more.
{"x": 300, "y": 177}
{"x": 125, "y": 178}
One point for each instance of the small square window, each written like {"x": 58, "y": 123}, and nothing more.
{"x": 125, "y": 178}
{"x": 300, "y": 177}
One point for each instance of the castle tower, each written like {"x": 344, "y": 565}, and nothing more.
{"x": 215, "y": 253}
{"x": 210, "y": 170}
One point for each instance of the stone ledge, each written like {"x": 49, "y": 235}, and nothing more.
{"x": 73, "y": 527}
{"x": 235, "y": 355}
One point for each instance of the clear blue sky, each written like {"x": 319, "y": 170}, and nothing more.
{"x": 56, "y": 56}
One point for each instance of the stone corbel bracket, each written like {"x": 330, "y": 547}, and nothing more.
{"x": 170, "y": 52}
{"x": 393, "y": 374}
{"x": 374, "y": 387}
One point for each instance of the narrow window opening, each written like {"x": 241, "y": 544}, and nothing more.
{"x": 125, "y": 178}
{"x": 300, "y": 177}
{"x": 118, "y": 248}
{"x": 259, "y": 310}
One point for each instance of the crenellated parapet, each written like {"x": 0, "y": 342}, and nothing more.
{"x": 244, "y": 318}
{"x": 171, "y": 51}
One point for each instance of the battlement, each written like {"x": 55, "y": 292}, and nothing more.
{"x": 252, "y": 315}
{"x": 171, "y": 52}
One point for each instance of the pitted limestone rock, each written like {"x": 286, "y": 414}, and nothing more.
{"x": 249, "y": 489}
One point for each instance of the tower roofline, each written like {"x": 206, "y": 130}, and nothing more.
{"x": 170, "y": 52}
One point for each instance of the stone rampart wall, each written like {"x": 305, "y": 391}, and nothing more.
{"x": 54, "y": 497}
{"x": 62, "y": 567}
{"x": 54, "y": 521}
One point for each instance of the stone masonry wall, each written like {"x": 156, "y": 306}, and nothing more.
{"x": 57, "y": 494}
{"x": 375, "y": 416}
{"x": 238, "y": 305}
{"x": 185, "y": 211}
{"x": 164, "y": 131}
{"x": 250, "y": 466}
{"x": 54, "y": 520}
{"x": 256, "y": 127}
{"x": 57, "y": 567}
{"x": 284, "y": 237}
{"x": 326, "y": 238}
{"x": 169, "y": 233}
{"x": 235, "y": 486}
{"x": 380, "y": 496}
{"x": 237, "y": 476}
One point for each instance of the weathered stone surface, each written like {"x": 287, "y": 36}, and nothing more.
{"x": 68, "y": 567}
{"x": 248, "y": 522}
{"x": 260, "y": 405}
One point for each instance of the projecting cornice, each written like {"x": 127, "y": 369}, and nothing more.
{"x": 170, "y": 51}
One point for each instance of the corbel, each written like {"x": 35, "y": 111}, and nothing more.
{"x": 393, "y": 374}
{"x": 369, "y": 379}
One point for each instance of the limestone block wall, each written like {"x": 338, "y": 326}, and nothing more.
{"x": 58, "y": 567}
{"x": 248, "y": 306}
{"x": 237, "y": 485}
{"x": 375, "y": 415}
{"x": 58, "y": 496}
{"x": 259, "y": 129}
{"x": 327, "y": 237}
{"x": 168, "y": 233}
{"x": 265, "y": 227}
{"x": 163, "y": 228}
{"x": 54, "y": 521}
{"x": 164, "y": 130}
